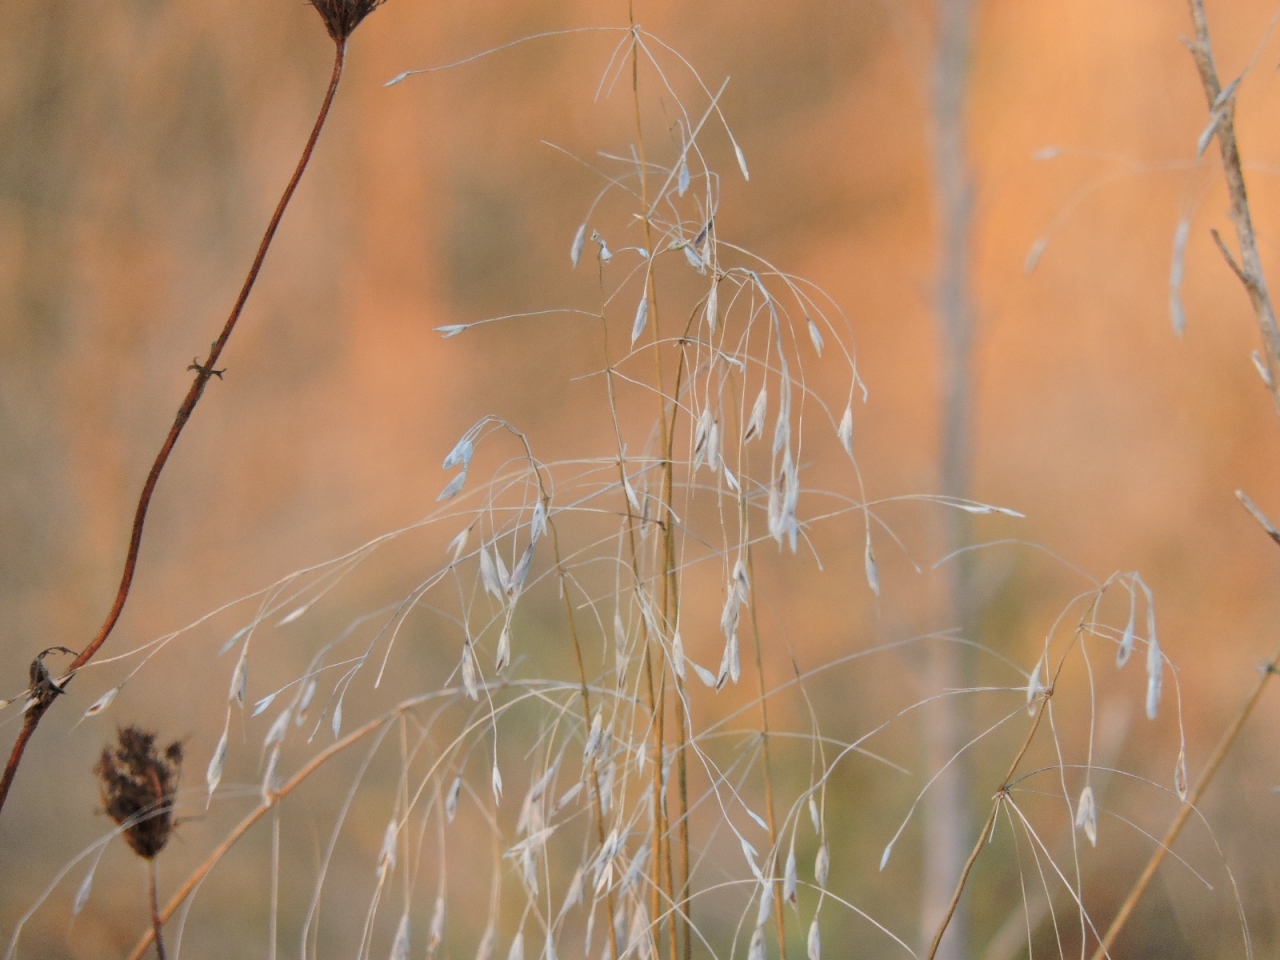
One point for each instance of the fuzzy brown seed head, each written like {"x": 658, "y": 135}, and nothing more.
{"x": 137, "y": 786}
{"x": 341, "y": 17}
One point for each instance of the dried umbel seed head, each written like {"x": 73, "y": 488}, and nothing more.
{"x": 341, "y": 17}
{"x": 137, "y": 785}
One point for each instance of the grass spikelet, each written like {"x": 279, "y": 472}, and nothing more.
{"x": 453, "y": 488}
{"x": 1155, "y": 677}
{"x": 742, "y": 160}
{"x": 641, "y": 320}
{"x": 790, "y": 882}
{"x": 489, "y": 574}
{"x": 278, "y": 729}
{"x": 400, "y": 946}
{"x": 451, "y": 799}
{"x": 460, "y": 455}
{"x": 83, "y": 891}
{"x": 764, "y": 904}
{"x": 759, "y": 410}
{"x": 1125, "y": 650}
{"x": 469, "y": 675}
{"x": 821, "y": 865}
{"x": 677, "y": 655}
{"x": 102, "y": 702}
{"x": 213, "y": 776}
{"x": 845, "y": 430}
{"x": 1035, "y": 688}
{"x": 815, "y": 335}
{"x": 813, "y": 945}
{"x": 504, "y": 648}
{"x": 870, "y": 568}
{"x": 1087, "y": 815}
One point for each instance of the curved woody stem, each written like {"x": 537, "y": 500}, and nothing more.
{"x": 43, "y": 691}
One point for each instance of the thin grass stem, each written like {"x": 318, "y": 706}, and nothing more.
{"x": 768, "y": 769}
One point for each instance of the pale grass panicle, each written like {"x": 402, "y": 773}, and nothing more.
{"x": 626, "y": 813}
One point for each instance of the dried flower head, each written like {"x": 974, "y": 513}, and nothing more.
{"x": 341, "y": 17}
{"x": 137, "y": 786}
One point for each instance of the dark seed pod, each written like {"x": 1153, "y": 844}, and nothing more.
{"x": 341, "y": 17}
{"x": 137, "y": 786}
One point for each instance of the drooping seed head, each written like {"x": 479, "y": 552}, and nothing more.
{"x": 137, "y": 785}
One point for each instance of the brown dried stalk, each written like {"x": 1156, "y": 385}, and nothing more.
{"x": 661, "y": 883}
{"x": 341, "y": 17}
{"x": 268, "y": 803}
{"x": 137, "y": 785}
{"x": 156, "y": 923}
{"x": 584, "y": 691}
{"x": 768, "y": 771}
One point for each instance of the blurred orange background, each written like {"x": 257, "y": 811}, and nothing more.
{"x": 146, "y": 143}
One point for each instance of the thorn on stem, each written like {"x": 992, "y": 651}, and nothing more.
{"x": 204, "y": 371}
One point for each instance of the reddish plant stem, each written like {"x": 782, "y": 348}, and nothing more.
{"x": 156, "y": 923}
{"x": 204, "y": 373}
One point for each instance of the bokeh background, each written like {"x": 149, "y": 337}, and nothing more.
{"x": 145, "y": 144}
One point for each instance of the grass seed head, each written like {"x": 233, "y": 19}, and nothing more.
{"x": 137, "y": 785}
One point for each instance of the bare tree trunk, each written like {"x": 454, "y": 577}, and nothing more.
{"x": 946, "y": 814}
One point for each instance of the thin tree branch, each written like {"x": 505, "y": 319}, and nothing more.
{"x": 1222, "y": 106}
